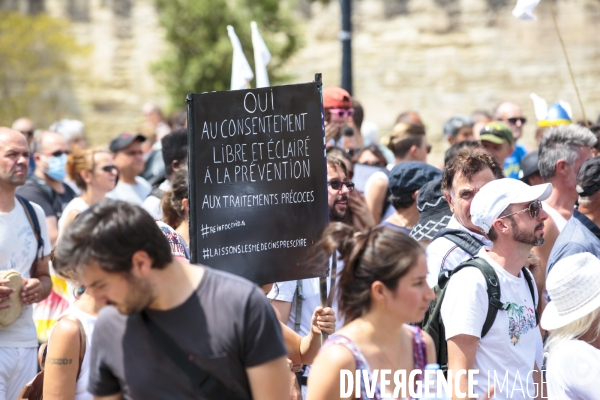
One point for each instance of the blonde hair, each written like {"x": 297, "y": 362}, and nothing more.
{"x": 82, "y": 160}
{"x": 404, "y": 136}
{"x": 574, "y": 330}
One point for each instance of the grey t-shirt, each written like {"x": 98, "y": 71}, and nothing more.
{"x": 227, "y": 325}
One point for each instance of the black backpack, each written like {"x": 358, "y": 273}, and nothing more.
{"x": 434, "y": 325}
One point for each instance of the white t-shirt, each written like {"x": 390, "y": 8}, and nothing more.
{"x": 134, "y": 194}
{"x": 77, "y": 204}
{"x": 18, "y": 246}
{"x": 88, "y": 322}
{"x": 508, "y": 351}
{"x": 573, "y": 371}
{"x": 152, "y": 203}
{"x": 286, "y": 291}
{"x": 442, "y": 254}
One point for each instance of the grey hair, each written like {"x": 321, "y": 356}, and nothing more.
{"x": 562, "y": 143}
{"x": 574, "y": 330}
{"x": 453, "y": 125}
{"x": 67, "y": 128}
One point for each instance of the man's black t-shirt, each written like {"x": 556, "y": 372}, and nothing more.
{"x": 39, "y": 192}
{"x": 227, "y": 325}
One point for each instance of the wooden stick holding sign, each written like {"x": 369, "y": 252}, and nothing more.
{"x": 258, "y": 192}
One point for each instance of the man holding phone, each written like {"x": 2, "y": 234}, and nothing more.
{"x": 337, "y": 105}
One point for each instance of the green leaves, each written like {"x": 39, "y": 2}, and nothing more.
{"x": 200, "y": 54}
{"x": 35, "y": 54}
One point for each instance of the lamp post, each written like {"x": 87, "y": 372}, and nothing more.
{"x": 345, "y": 36}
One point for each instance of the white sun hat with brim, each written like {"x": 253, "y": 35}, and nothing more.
{"x": 495, "y": 196}
{"x": 574, "y": 287}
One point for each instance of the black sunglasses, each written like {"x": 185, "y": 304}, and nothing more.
{"x": 109, "y": 168}
{"x": 59, "y": 153}
{"x": 513, "y": 121}
{"x": 337, "y": 185}
{"x": 534, "y": 210}
{"x": 352, "y": 152}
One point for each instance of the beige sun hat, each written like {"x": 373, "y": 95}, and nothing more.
{"x": 10, "y": 314}
{"x": 574, "y": 287}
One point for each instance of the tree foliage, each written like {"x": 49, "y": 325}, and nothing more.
{"x": 34, "y": 67}
{"x": 200, "y": 54}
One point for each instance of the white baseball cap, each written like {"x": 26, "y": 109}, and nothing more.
{"x": 495, "y": 196}
{"x": 574, "y": 287}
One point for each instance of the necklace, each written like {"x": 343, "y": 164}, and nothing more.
{"x": 400, "y": 222}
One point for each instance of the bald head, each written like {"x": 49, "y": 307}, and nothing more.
{"x": 26, "y": 127}
{"x": 49, "y": 142}
{"x": 510, "y": 113}
{"x": 14, "y": 158}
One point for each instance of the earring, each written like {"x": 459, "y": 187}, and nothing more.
{"x": 80, "y": 291}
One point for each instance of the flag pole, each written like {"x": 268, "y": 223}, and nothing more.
{"x": 562, "y": 44}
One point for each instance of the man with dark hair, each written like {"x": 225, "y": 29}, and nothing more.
{"x": 21, "y": 251}
{"x": 46, "y": 186}
{"x": 164, "y": 313}
{"x": 582, "y": 233}
{"x": 464, "y": 175}
{"x": 405, "y": 181}
{"x": 457, "y": 148}
{"x": 561, "y": 153}
{"x": 175, "y": 155}
{"x": 510, "y": 213}
{"x": 129, "y": 160}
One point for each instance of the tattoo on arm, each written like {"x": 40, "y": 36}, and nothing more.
{"x": 59, "y": 361}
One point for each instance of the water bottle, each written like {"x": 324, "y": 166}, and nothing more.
{"x": 431, "y": 394}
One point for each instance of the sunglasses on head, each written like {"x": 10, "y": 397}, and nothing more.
{"x": 534, "y": 210}
{"x": 513, "y": 121}
{"x": 342, "y": 112}
{"x": 337, "y": 185}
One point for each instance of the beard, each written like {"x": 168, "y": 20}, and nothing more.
{"x": 334, "y": 215}
{"x": 529, "y": 238}
{"x": 139, "y": 297}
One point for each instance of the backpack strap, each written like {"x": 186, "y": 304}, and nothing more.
{"x": 529, "y": 279}
{"x": 35, "y": 225}
{"x": 493, "y": 288}
{"x": 299, "y": 299}
{"x": 462, "y": 239}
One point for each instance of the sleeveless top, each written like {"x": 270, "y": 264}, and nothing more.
{"x": 419, "y": 355}
{"x": 88, "y": 322}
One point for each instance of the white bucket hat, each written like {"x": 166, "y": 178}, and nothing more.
{"x": 574, "y": 287}
{"x": 495, "y": 196}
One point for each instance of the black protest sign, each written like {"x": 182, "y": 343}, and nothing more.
{"x": 258, "y": 193}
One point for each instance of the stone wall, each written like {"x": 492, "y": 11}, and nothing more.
{"x": 443, "y": 57}
{"x": 439, "y": 57}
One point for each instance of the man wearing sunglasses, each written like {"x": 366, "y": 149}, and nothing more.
{"x": 295, "y": 301}
{"x": 509, "y": 212}
{"x": 46, "y": 185}
{"x": 337, "y": 105}
{"x": 511, "y": 114}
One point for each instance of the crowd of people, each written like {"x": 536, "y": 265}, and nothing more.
{"x": 487, "y": 262}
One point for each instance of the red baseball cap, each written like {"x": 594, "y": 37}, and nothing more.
{"x": 336, "y": 97}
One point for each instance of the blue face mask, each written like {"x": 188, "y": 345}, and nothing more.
{"x": 57, "y": 167}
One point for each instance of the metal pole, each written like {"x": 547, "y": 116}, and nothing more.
{"x": 345, "y": 36}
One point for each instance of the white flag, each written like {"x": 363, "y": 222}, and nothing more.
{"x": 540, "y": 106}
{"x": 262, "y": 56}
{"x": 241, "y": 73}
{"x": 524, "y": 9}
